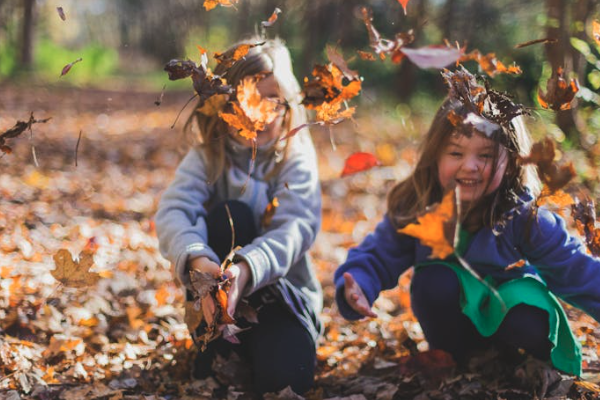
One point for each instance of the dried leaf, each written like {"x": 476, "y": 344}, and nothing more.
{"x": 202, "y": 283}
{"x": 559, "y": 93}
{"x": 536, "y": 41}
{"x": 272, "y": 19}
{"x": 210, "y": 4}
{"x": 267, "y": 216}
{"x": 433, "y": 56}
{"x": 517, "y": 264}
{"x": 596, "y": 31}
{"x": 403, "y": 3}
{"x": 490, "y": 64}
{"x": 72, "y": 273}
{"x": 553, "y": 175}
{"x": 584, "y": 215}
{"x": 235, "y": 54}
{"x": 436, "y": 228}
{"x": 68, "y": 67}
{"x": 359, "y": 162}
{"x": 17, "y": 129}
{"x": 61, "y": 13}
{"x": 328, "y": 85}
{"x": 384, "y": 47}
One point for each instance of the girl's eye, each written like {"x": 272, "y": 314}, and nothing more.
{"x": 487, "y": 156}
{"x": 455, "y": 154}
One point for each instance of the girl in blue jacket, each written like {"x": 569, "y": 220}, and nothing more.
{"x": 525, "y": 252}
{"x": 272, "y": 270}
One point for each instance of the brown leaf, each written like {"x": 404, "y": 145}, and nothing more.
{"x": 19, "y": 128}
{"x": 385, "y": 47}
{"x": 61, "y": 13}
{"x": 235, "y": 54}
{"x": 559, "y": 93}
{"x": 553, "y": 175}
{"x": 68, "y": 67}
{"x": 72, "y": 273}
{"x": 536, "y": 41}
{"x": 202, "y": 283}
{"x": 490, "y": 64}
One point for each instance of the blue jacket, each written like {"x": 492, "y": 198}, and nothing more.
{"x": 549, "y": 251}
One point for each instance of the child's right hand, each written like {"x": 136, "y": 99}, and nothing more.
{"x": 206, "y": 265}
{"x": 355, "y": 297}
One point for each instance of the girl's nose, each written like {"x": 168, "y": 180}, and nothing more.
{"x": 471, "y": 164}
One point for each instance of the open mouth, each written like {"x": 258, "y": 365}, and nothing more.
{"x": 468, "y": 182}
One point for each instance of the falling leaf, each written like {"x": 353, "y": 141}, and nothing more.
{"x": 359, "y": 162}
{"x": 235, "y": 54}
{"x": 267, "y": 216}
{"x": 436, "y": 228}
{"x": 432, "y": 56}
{"x": 158, "y": 101}
{"x": 596, "y": 31}
{"x": 490, "y": 64}
{"x": 205, "y": 83}
{"x": 337, "y": 59}
{"x": 72, "y": 273}
{"x": 584, "y": 215}
{"x": 17, "y": 129}
{"x": 403, "y": 3}
{"x": 536, "y": 41}
{"x": 557, "y": 198}
{"x": 61, "y": 13}
{"x": 330, "y": 113}
{"x": 328, "y": 85}
{"x": 553, "y": 175}
{"x": 272, "y": 19}
{"x": 559, "y": 93}
{"x": 384, "y": 47}
{"x": 210, "y": 4}
{"x": 366, "y": 55}
{"x": 68, "y": 67}
{"x": 516, "y": 264}
{"x": 253, "y": 113}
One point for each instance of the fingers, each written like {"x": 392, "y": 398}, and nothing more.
{"x": 356, "y": 298}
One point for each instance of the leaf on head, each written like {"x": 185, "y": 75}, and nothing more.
{"x": 73, "y": 273}
{"x": 559, "y": 93}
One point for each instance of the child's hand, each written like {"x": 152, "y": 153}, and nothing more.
{"x": 355, "y": 297}
{"x": 239, "y": 273}
{"x": 206, "y": 265}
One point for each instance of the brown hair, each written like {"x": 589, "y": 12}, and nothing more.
{"x": 422, "y": 188}
{"x": 272, "y": 57}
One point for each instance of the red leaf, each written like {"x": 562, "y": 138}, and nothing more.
{"x": 67, "y": 67}
{"x": 432, "y": 56}
{"x": 358, "y": 162}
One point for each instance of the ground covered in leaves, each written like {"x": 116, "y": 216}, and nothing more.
{"x": 102, "y": 161}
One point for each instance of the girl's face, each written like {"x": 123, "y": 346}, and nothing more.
{"x": 269, "y": 90}
{"x": 467, "y": 163}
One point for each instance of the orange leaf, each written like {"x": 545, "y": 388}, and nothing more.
{"x": 232, "y": 55}
{"x": 436, "y": 227}
{"x": 403, "y": 3}
{"x": 358, "y": 162}
{"x": 596, "y": 31}
{"x": 518, "y": 264}
{"x": 269, "y": 212}
{"x": 330, "y": 114}
{"x": 210, "y": 4}
{"x": 490, "y": 64}
{"x": 74, "y": 274}
{"x": 272, "y": 19}
{"x": 559, "y": 93}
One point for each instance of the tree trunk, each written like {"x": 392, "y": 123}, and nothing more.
{"x": 27, "y": 34}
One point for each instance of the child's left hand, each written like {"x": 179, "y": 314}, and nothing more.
{"x": 239, "y": 274}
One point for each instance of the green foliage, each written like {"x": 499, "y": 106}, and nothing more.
{"x": 8, "y": 60}
{"x": 98, "y": 63}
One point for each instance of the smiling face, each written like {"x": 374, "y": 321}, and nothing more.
{"x": 467, "y": 162}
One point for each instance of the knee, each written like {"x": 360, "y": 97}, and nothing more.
{"x": 435, "y": 285}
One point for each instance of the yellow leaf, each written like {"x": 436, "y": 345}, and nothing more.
{"x": 431, "y": 230}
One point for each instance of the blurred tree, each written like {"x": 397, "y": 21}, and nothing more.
{"x": 566, "y": 19}
{"x": 26, "y": 59}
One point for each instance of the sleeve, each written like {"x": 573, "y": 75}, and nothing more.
{"x": 180, "y": 219}
{"x": 376, "y": 264}
{"x": 563, "y": 262}
{"x": 296, "y": 221}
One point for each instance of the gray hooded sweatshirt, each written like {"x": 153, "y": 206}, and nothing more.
{"x": 278, "y": 256}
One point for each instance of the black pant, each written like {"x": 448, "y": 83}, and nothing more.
{"x": 279, "y": 349}
{"x": 435, "y": 299}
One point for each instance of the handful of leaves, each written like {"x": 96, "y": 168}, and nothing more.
{"x": 206, "y": 315}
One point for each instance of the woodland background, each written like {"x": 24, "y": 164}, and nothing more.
{"x": 91, "y": 177}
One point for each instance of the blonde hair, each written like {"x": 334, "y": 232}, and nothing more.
{"x": 272, "y": 57}
{"x": 422, "y": 188}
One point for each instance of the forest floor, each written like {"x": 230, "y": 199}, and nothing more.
{"x": 103, "y": 160}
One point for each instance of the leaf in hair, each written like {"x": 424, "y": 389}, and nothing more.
{"x": 436, "y": 228}
{"x": 559, "y": 93}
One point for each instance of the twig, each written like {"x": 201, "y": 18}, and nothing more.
{"x": 77, "y": 146}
